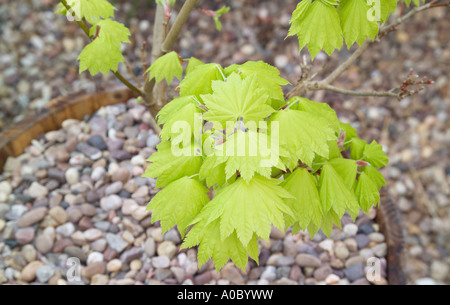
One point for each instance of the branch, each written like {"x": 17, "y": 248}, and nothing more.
{"x": 304, "y": 85}
{"x": 322, "y": 86}
{"x": 175, "y": 31}
{"x": 162, "y": 45}
{"x": 116, "y": 74}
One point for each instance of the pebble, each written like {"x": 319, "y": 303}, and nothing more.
{"x": 306, "y": 260}
{"x": 167, "y": 248}
{"x": 75, "y": 251}
{"x": 439, "y": 270}
{"x": 114, "y": 265}
{"x": 72, "y": 176}
{"x": 92, "y": 234}
{"x": 160, "y": 262}
{"x": 116, "y": 242}
{"x": 135, "y": 265}
{"x": 332, "y": 279}
{"x": 150, "y": 247}
{"x": 140, "y": 213}
{"x": 59, "y": 214}
{"x": 111, "y": 203}
{"x": 24, "y": 236}
{"x": 98, "y": 142}
{"x": 98, "y": 174}
{"x": 93, "y": 269}
{"x": 29, "y": 253}
{"x": 354, "y": 272}
{"x": 380, "y": 250}
{"x": 132, "y": 254}
{"x": 113, "y": 188}
{"x": 362, "y": 241}
{"x": 322, "y": 273}
{"x": 32, "y": 217}
{"x": 66, "y": 229}
{"x": 341, "y": 252}
{"x": 28, "y": 273}
{"x": 99, "y": 279}
{"x": 37, "y": 191}
{"x": 350, "y": 230}
{"x": 355, "y": 260}
{"x": 377, "y": 237}
{"x": 44, "y": 273}
{"x": 94, "y": 257}
{"x": 43, "y": 244}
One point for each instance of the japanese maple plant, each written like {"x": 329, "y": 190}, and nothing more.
{"x": 237, "y": 153}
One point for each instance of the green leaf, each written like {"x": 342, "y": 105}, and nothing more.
{"x": 100, "y": 57}
{"x": 236, "y": 99}
{"x": 375, "y": 175}
{"x": 306, "y": 205}
{"x": 367, "y": 192}
{"x": 318, "y": 109}
{"x": 317, "y": 26}
{"x": 219, "y": 13}
{"x": 174, "y": 107}
{"x": 166, "y": 67}
{"x": 168, "y": 167}
{"x": 347, "y": 169}
{"x": 178, "y": 204}
{"x": 163, "y": 2}
{"x": 357, "y": 148}
{"x": 374, "y": 154}
{"x": 193, "y": 63}
{"x": 199, "y": 80}
{"x": 355, "y": 24}
{"x": 267, "y": 77}
{"x": 334, "y": 193}
{"x": 303, "y": 135}
{"x": 386, "y": 8}
{"x": 175, "y": 128}
{"x": 249, "y": 153}
{"x": 91, "y": 10}
{"x": 248, "y": 208}
{"x": 211, "y": 245}
{"x": 211, "y": 173}
{"x": 112, "y": 33}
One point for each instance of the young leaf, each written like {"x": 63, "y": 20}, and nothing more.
{"x": 236, "y": 99}
{"x": 375, "y": 175}
{"x": 178, "y": 204}
{"x": 174, "y": 107}
{"x": 166, "y": 67}
{"x": 193, "y": 63}
{"x": 334, "y": 193}
{"x": 187, "y": 115}
{"x": 100, "y": 57}
{"x": 306, "y": 205}
{"x": 249, "y": 153}
{"x": 211, "y": 173}
{"x": 367, "y": 192}
{"x": 355, "y": 24}
{"x": 386, "y": 8}
{"x": 219, "y": 14}
{"x": 374, "y": 154}
{"x": 199, "y": 80}
{"x": 211, "y": 245}
{"x": 347, "y": 169}
{"x": 267, "y": 77}
{"x": 91, "y": 10}
{"x": 317, "y": 26}
{"x": 248, "y": 208}
{"x": 357, "y": 148}
{"x": 168, "y": 167}
{"x": 350, "y": 133}
{"x": 318, "y": 109}
{"x": 112, "y": 33}
{"x": 303, "y": 135}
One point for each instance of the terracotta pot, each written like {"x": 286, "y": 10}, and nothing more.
{"x": 17, "y": 137}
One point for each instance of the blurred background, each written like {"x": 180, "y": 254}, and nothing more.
{"x": 38, "y": 52}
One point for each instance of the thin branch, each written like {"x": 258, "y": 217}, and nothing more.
{"x": 321, "y": 86}
{"x": 132, "y": 73}
{"x": 175, "y": 31}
